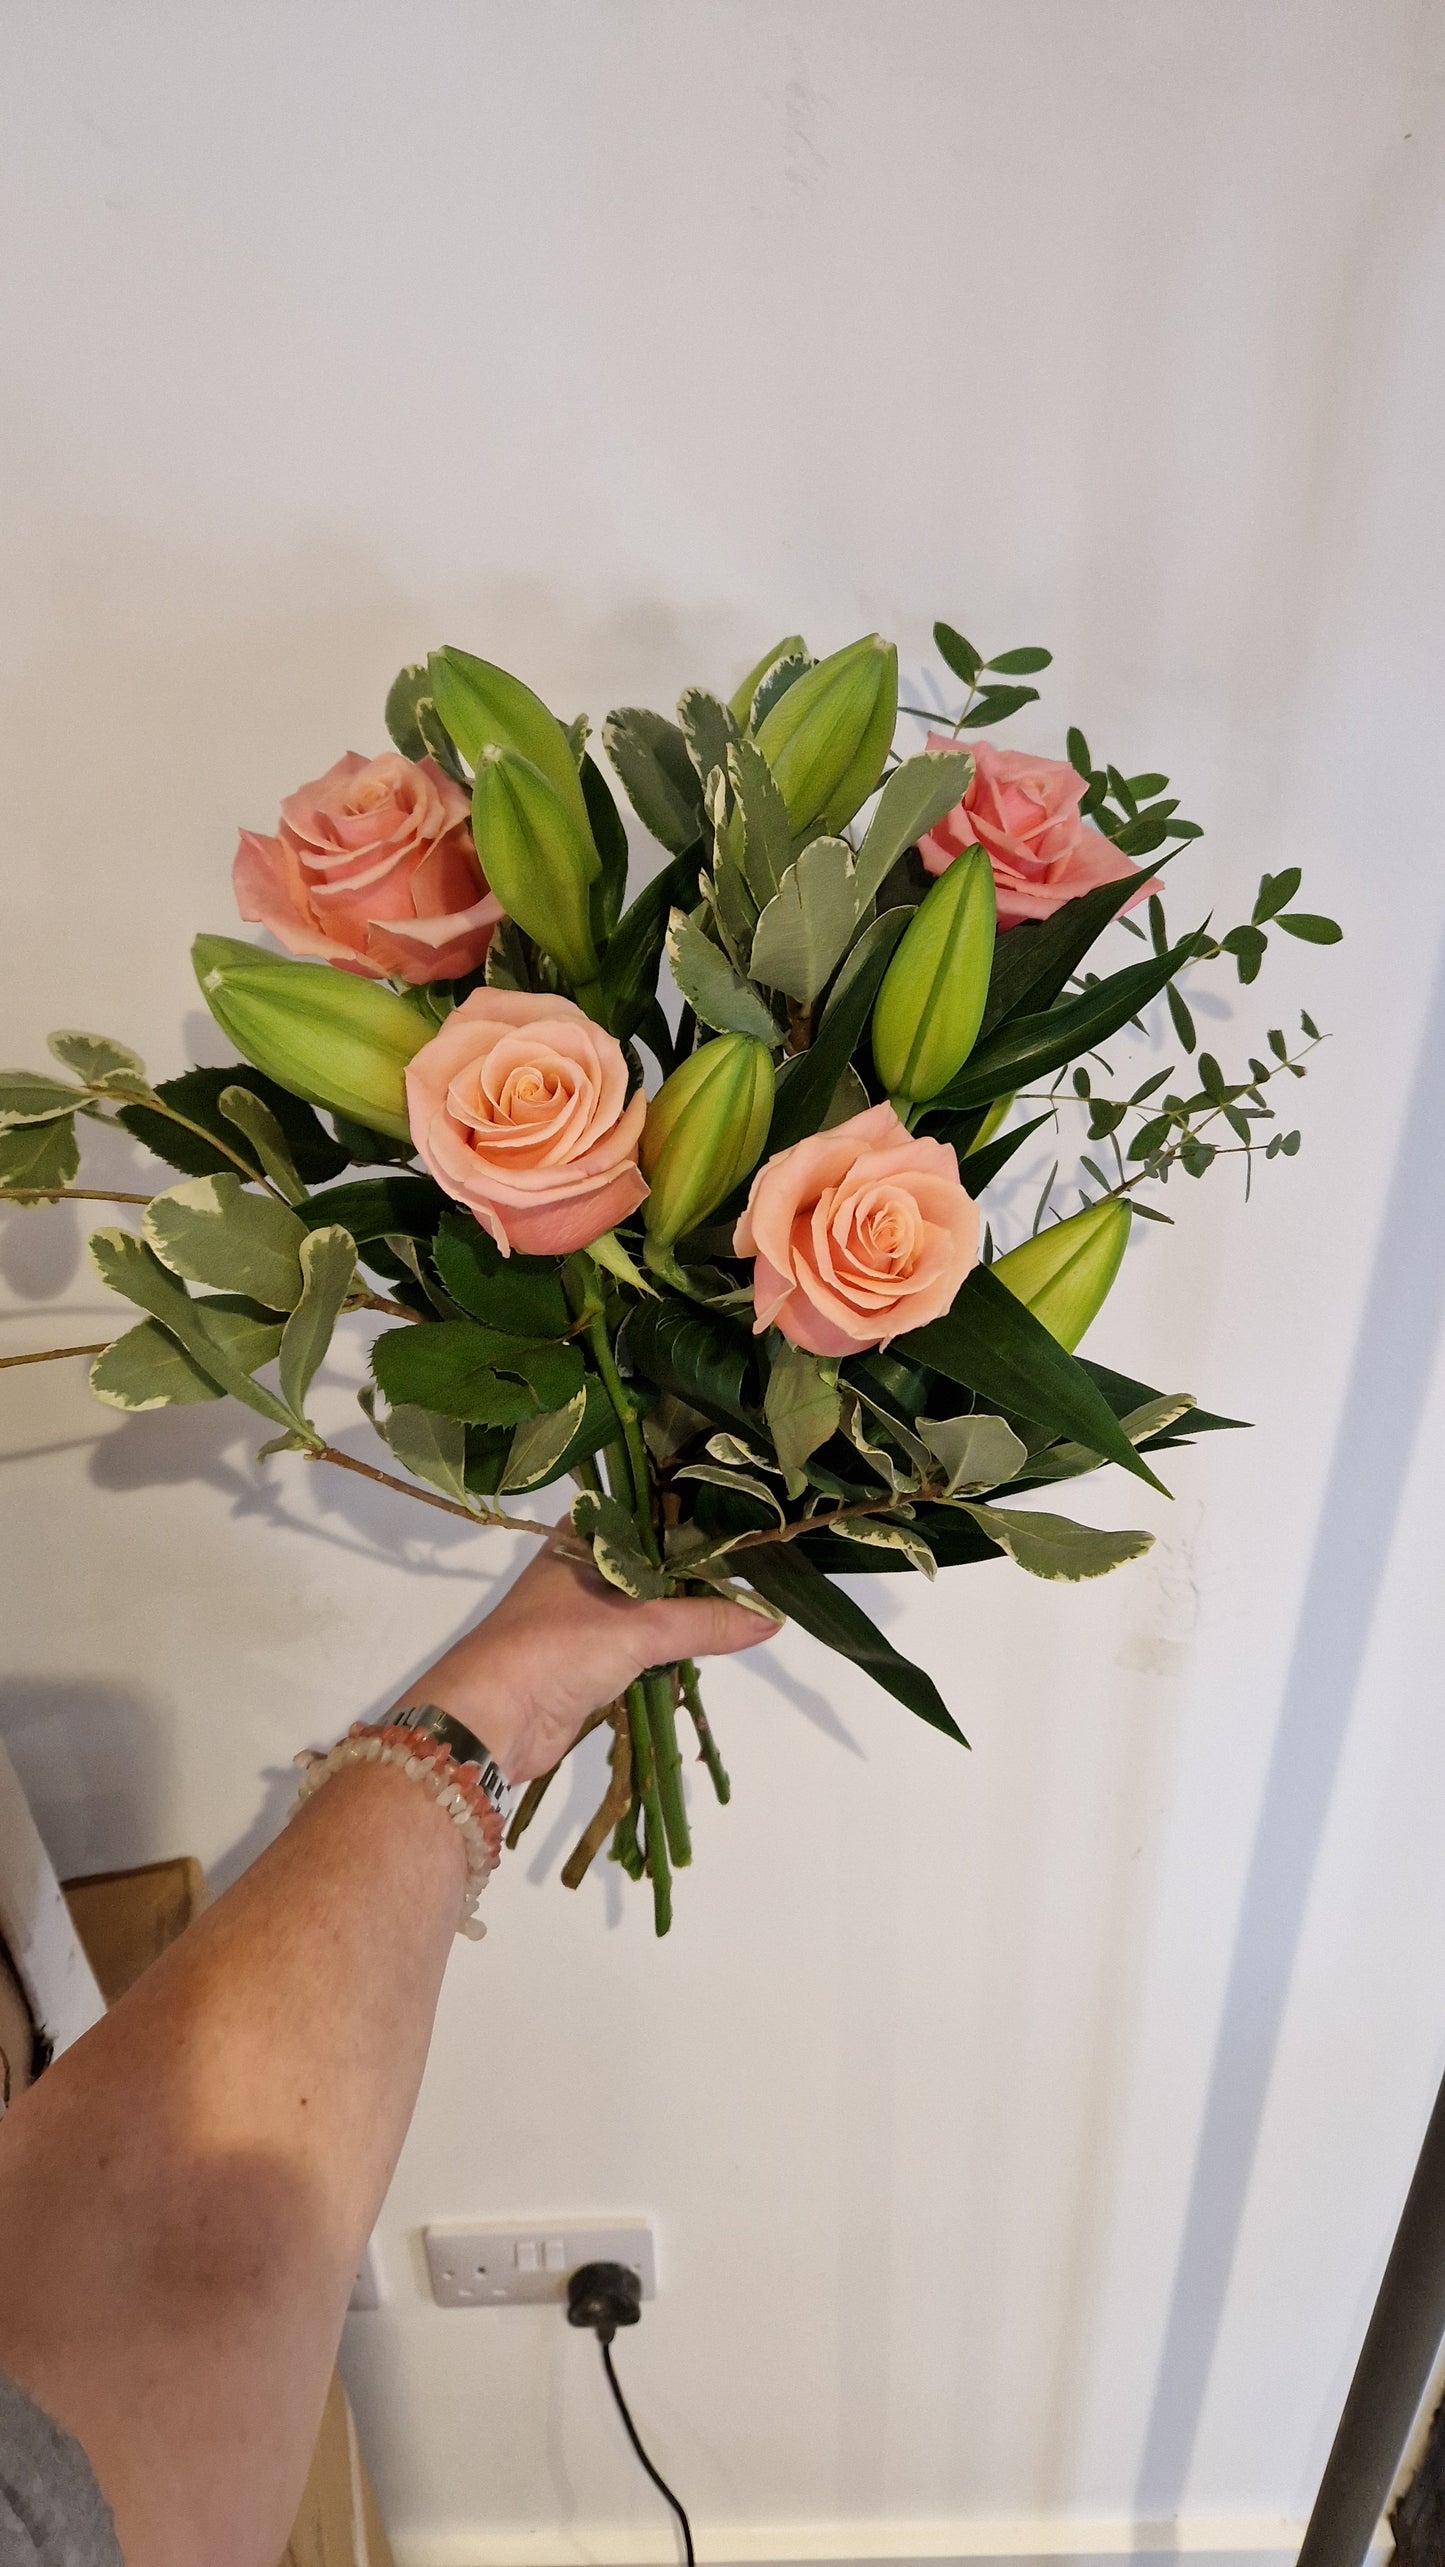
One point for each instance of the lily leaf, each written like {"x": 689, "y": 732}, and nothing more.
{"x": 1027, "y": 1047}
{"x": 796, "y": 1588}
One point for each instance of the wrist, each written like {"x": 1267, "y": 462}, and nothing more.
{"x": 489, "y": 1711}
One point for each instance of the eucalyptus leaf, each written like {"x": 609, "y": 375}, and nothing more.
{"x": 801, "y": 1408}
{"x": 1051, "y": 1546}
{"x": 39, "y": 1154}
{"x": 616, "y": 1548}
{"x": 717, "y": 994}
{"x": 767, "y": 838}
{"x": 213, "y": 1231}
{"x": 99, "y": 1060}
{"x": 328, "y": 1265}
{"x": 28, "y": 1096}
{"x": 977, "y": 1452}
{"x": 432, "y": 1448}
{"x": 805, "y": 929}
{"x": 660, "y": 780}
{"x": 539, "y": 1443}
{"x": 253, "y": 1116}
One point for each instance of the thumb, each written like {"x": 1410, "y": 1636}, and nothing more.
{"x": 704, "y": 1626}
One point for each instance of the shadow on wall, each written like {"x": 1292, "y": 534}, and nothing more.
{"x": 1399, "y": 1330}
{"x": 92, "y": 1764}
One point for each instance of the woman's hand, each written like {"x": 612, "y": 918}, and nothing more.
{"x": 559, "y": 1645}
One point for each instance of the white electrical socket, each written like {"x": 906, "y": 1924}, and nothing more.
{"x": 514, "y": 2263}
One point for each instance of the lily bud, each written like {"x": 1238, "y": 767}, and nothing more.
{"x": 540, "y": 864}
{"x": 1063, "y": 1276}
{"x": 485, "y": 707}
{"x": 827, "y": 738}
{"x": 704, "y": 1133}
{"x": 327, "y": 1035}
{"x": 930, "y": 1007}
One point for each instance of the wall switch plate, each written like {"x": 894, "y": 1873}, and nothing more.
{"x": 517, "y": 2263}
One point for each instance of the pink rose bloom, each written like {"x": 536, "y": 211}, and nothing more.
{"x": 858, "y": 1233}
{"x": 519, "y": 1107}
{"x": 1025, "y": 811}
{"x": 373, "y": 869}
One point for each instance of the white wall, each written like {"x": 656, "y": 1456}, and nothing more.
{"x": 1025, "y": 2130}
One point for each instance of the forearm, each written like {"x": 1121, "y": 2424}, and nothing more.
{"x": 196, "y": 2179}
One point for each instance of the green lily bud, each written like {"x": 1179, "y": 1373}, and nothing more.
{"x": 740, "y": 702}
{"x": 930, "y": 1007}
{"x": 704, "y": 1133}
{"x": 1063, "y": 1276}
{"x": 486, "y": 708}
{"x": 540, "y": 864}
{"x": 329, "y": 1036}
{"x": 827, "y": 738}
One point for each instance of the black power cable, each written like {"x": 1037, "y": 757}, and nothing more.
{"x": 604, "y": 2297}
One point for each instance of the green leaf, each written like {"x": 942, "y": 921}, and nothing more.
{"x": 1310, "y": 929}
{"x": 28, "y": 1096}
{"x": 539, "y": 1444}
{"x": 1276, "y": 891}
{"x": 801, "y": 1407}
{"x": 1181, "y": 1019}
{"x": 915, "y": 798}
{"x": 610, "y": 839}
{"x": 128, "y": 1266}
{"x": 1027, "y": 1047}
{"x": 432, "y": 1448}
{"x": 403, "y": 695}
{"x": 767, "y": 838}
{"x": 996, "y": 703}
{"x": 1021, "y": 663}
{"x": 876, "y": 1532}
{"x": 994, "y": 1346}
{"x": 717, "y": 994}
{"x": 740, "y": 702}
{"x": 774, "y": 686}
{"x": 658, "y": 776}
{"x": 618, "y": 1552}
{"x": 697, "y": 1357}
{"x": 328, "y": 1263}
{"x": 807, "y": 1085}
{"x": 796, "y": 1588}
{"x": 98, "y": 1060}
{"x": 1051, "y": 1546}
{"x": 1036, "y": 960}
{"x": 197, "y": 1095}
{"x": 39, "y": 1154}
{"x": 977, "y": 1452}
{"x": 523, "y": 1297}
{"x": 378, "y": 1208}
{"x": 708, "y": 729}
{"x": 978, "y": 1168}
{"x": 630, "y": 963}
{"x": 485, "y": 707}
{"x": 212, "y": 1231}
{"x": 253, "y": 1118}
{"x": 1077, "y": 749}
{"x": 477, "y": 1374}
{"x": 804, "y": 930}
{"x": 956, "y": 653}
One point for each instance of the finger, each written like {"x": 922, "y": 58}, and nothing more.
{"x": 704, "y": 1626}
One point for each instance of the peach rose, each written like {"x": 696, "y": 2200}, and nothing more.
{"x": 519, "y": 1107}
{"x": 1025, "y": 811}
{"x": 373, "y": 869}
{"x": 858, "y": 1233}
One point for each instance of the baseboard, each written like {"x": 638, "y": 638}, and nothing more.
{"x": 1051, "y": 2541}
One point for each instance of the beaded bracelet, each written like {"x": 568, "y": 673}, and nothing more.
{"x": 455, "y": 1787}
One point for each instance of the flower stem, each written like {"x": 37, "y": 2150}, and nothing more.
{"x": 706, "y": 1743}
{"x": 644, "y": 1767}
{"x": 624, "y": 1848}
{"x": 662, "y": 1719}
{"x": 67, "y": 1194}
{"x": 52, "y": 1354}
{"x": 614, "y": 1807}
{"x": 636, "y": 1450}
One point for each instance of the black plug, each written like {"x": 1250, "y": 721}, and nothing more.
{"x": 604, "y": 2297}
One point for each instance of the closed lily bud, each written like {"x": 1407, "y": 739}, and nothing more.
{"x": 540, "y": 864}
{"x": 930, "y": 1007}
{"x": 485, "y": 707}
{"x": 329, "y": 1036}
{"x": 827, "y": 738}
{"x": 1063, "y": 1276}
{"x": 704, "y": 1133}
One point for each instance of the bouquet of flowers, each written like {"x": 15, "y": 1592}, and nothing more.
{"x": 744, "y": 1299}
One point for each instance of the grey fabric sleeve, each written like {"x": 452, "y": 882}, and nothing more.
{"x": 52, "y": 2513}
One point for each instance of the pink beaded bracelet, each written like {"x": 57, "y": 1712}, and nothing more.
{"x": 455, "y": 1787}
